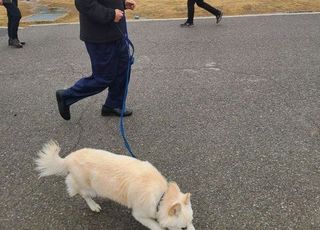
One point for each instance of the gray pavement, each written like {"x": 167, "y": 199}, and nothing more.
{"x": 3, "y": 32}
{"x": 230, "y": 112}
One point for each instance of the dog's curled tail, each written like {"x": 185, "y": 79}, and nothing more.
{"x": 49, "y": 162}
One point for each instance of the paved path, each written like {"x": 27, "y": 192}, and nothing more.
{"x": 231, "y": 112}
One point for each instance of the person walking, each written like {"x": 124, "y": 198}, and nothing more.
{"x": 102, "y": 28}
{"x": 14, "y": 16}
{"x": 202, "y": 4}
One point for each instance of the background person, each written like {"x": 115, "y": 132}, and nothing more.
{"x": 14, "y": 16}
{"x": 202, "y": 4}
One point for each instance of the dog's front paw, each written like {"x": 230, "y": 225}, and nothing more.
{"x": 95, "y": 207}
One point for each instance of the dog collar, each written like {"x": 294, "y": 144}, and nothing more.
{"x": 161, "y": 198}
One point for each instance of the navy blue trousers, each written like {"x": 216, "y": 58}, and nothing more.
{"x": 14, "y": 16}
{"x": 109, "y": 62}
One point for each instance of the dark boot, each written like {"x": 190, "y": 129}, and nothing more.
{"x": 219, "y": 17}
{"x": 108, "y": 111}
{"x": 64, "y": 109}
{"x": 10, "y": 42}
{"x": 15, "y": 43}
{"x": 187, "y": 24}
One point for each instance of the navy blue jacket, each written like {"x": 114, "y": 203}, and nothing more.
{"x": 97, "y": 20}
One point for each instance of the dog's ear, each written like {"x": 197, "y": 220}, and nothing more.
{"x": 175, "y": 209}
{"x": 187, "y": 198}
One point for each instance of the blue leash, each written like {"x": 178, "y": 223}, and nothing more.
{"x": 130, "y": 63}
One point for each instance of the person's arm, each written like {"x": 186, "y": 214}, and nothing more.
{"x": 96, "y": 11}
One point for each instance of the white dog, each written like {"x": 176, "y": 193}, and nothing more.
{"x": 155, "y": 203}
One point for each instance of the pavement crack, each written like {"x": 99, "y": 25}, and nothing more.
{"x": 81, "y": 131}
{"x": 79, "y": 123}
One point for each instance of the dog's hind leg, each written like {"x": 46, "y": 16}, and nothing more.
{"x": 72, "y": 186}
{"x": 91, "y": 203}
{"x": 73, "y": 189}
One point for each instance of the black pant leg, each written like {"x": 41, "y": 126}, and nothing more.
{"x": 9, "y": 23}
{"x": 208, "y": 8}
{"x": 191, "y": 10}
{"x": 14, "y": 16}
{"x": 117, "y": 87}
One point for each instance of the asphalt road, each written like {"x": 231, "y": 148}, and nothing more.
{"x": 230, "y": 112}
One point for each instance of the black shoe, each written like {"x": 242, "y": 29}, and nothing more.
{"x": 15, "y": 43}
{"x": 219, "y": 17}
{"x": 187, "y": 24}
{"x": 108, "y": 111}
{"x": 64, "y": 110}
{"x": 10, "y": 42}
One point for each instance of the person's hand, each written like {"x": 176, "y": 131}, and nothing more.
{"x": 118, "y": 15}
{"x": 130, "y": 4}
